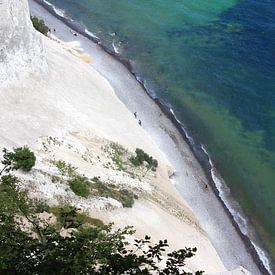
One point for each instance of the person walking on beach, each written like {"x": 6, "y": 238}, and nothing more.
{"x": 139, "y": 122}
{"x": 135, "y": 114}
{"x": 74, "y": 33}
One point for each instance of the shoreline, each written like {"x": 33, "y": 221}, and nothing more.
{"x": 196, "y": 148}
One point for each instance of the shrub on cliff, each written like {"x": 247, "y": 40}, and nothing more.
{"x": 141, "y": 157}
{"x": 21, "y": 158}
{"x": 102, "y": 189}
{"x": 80, "y": 186}
{"x": 39, "y": 25}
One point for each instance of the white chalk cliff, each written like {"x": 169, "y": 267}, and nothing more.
{"x": 21, "y": 47}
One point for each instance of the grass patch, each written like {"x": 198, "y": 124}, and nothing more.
{"x": 67, "y": 216}
{"x": 66, "y": 169}
{"x": 84, "y": 187}
{"x": 117, "y": 152}
{"x": 126, "y": 197}
{"x": 83, "y": 218}
{"x": 80, "y": 186}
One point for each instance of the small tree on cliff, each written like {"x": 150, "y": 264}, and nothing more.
{"x": 39, "y": 25}
{"x": 21, "y": 158}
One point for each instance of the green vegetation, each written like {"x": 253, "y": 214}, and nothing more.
{"x": 40, "y": 249}
{"x": 80, "y": 186}
{"x": 85, "y": 187}
{"x": 55, "y": 179}
{"x": 39, "y": 25}
{"x": 86, "y": 250}
{"x": 85, "y": 219}
{"x": 101, "y": 189}
{"x": 117, "y": 156}
{"x": 65, "y": 168}
{"x": 21, "y": 158}
{"x": 41, "y": 206}
{"x": 142, "y": 157}
{"x": 69, "y": 217}
{"x": 123, "y": 162}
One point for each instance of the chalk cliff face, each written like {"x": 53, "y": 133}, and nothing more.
{"x": 21, "y": 47}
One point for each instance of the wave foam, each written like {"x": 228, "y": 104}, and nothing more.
{"x": 115, "y": 47}
{"x": 91, "y": 34}
{"x": 263, "y": 257}
{"x": 57, "y": 10}
{"x": 238, "y": 218}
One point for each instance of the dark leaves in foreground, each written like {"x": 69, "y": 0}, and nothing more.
{"x": 31, "y": 245}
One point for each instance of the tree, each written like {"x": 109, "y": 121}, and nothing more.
{"x": 142, "y": 157}
{"x": 21, "y": 158}
{"x": 39, "y": 25}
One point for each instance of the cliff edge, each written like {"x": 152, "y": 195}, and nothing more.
{"x": 21, "y": 47}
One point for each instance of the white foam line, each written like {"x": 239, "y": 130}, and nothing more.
{"x": 91, "y": 34}
{"x": 172, "y": 111}
{"x": 191, "y": 140}
{"x": 263, "y": 257}
{"x": 239, "y": 219}
{"x": 115, "y": 48}
{"x": 57, "y": 10}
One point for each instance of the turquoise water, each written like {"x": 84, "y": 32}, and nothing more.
{"x": 214, "y": 62}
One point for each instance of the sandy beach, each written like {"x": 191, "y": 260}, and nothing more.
{"x": 109, "y": 96}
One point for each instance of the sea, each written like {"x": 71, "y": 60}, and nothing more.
{"x": 213, "y": 63}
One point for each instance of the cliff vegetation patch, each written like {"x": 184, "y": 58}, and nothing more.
{"x": 39, "y": 25}
{"x": 95, "y": 187}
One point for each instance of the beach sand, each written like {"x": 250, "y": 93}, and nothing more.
{"x": 73, "y": 96}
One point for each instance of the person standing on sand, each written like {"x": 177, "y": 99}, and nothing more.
{"x": 74, "y": 33}
{"x": 135, "y": 114}
{"x": 139, "y": 122}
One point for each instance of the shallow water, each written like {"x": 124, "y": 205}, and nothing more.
{"x": 213, "y": 61}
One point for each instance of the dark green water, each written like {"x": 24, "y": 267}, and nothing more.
{"x": 214, "y": 62}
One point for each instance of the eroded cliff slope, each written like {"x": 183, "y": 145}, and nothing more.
{"x": 21, "y": 47}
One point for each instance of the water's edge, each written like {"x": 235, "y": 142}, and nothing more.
{"x": 196, "y": 147}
